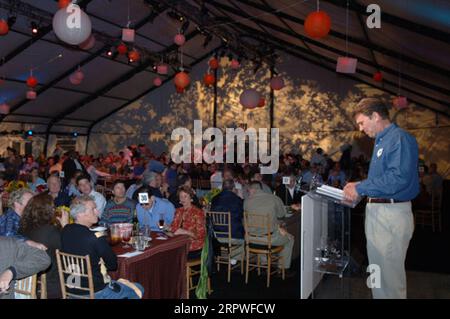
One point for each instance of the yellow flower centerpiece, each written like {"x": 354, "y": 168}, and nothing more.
{"x": 15, "y": 185}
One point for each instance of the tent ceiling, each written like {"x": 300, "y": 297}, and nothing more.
{"x": 414, "y": 41}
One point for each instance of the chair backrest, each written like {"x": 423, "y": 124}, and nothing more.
{"x": 71, "y": 269}
{"x": 436, "y": 200}
{"x": 222, "y": 224}
{"x": 26, "y": 288}
{"x": 257, "y": 228}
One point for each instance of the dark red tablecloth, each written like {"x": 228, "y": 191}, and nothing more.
{"x": 161, "y": 269}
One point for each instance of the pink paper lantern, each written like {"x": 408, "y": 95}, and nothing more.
{"x": 346, "y": 65}
{"x": 162, "y": 69}
{"x": 4, "y": 108}
{"x": 79, "y": 75}
{"x": 179, "y": 39}
{"x": 235, "y": 64}
{"x": 31, "y": 95}
{"x": 400, "y": 102}
{"x": 88, "y": 44}
{"x": 74, "y": 80}
{"x": 128, "y": 35}
{"x": 277, "y": 83}
{"x": 157, "y": 81}
{"x": 250, "y": 98}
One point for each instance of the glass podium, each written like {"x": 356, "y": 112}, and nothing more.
{"x": 325, "y": 236}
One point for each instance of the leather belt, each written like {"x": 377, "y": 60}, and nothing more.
{"x": 385, "y": 200}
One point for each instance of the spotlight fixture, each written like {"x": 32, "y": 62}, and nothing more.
{"x": 29, "y": 133}
{"x": 75, "y": 134}
{"x": 109, "y": 53}
{"x": 34, "y": 28}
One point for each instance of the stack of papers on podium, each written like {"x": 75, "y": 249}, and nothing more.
{"x": 329, "y": 191}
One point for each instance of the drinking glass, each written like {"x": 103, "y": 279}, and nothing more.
{"x": 126, "y": 237}
{"x": 161, "y": 222}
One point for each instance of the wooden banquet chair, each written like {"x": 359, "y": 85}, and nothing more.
{"x": 26, "y": 288}
{"x": 77, "y": 267}
{"x": 193, "y": 268}
{"x": 228, "y": 248}
{"x": 258, "y": 238}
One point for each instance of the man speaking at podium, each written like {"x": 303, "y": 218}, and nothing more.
{"x": 392, "y": 183}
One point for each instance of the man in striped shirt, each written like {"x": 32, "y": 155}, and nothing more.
{"x": 119, "y": 209}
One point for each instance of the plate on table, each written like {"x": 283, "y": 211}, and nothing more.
{"x": 99, "y": 229}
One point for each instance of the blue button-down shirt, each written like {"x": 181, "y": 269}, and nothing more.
{"x": 150, "y": 217}
{"x": 393, "y": 171}
{"x": 9, "y": 224}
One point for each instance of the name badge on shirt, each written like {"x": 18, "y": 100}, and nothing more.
{"x": 380, "y": 151}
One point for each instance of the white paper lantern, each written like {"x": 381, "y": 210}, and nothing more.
{"x": 346, "y": 65}
{"x": 4, "y": 109}
{"x": 72, "y": 25}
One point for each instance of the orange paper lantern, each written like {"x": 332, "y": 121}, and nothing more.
{"x": 182, "y": 79}
{"x": 64, "y": 3}
{"x": 32, "y": 82}
{"x": 134, "y": 56}
{"x": 317, "y": 24}
{"x": 209, "y": 79}
{"x": 4, "y": 27}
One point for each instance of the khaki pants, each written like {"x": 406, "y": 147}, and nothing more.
{"x": 389, "y": 228}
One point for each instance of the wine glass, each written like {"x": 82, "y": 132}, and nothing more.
{"x": 126, "y": 237}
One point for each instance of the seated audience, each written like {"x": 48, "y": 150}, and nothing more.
{"x": 262, "y": 203}
{"x": 228, "y": 201}
{"x": 289, "y": 193}
{"x": 149, "y": 214}
{"x": 85, "y": 188}
{"x": 119, "y": 209}
{"x": 18, "y": 260}
{"x": 40, "y": 224}
{"x": 78, "y": 239}
{"x": 190, "y": 220}
{"x": 36, "y": 180}
{"x": 10, "y": 221}
{"x": 183, "y": 180}
{"x": 60, "y": 196}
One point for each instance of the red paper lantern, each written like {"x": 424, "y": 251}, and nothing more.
{"x": 277, "y": 83}
{"x": 134, "y": 56}
{"x": 262, "y": 102}
{"x": 64, "y": 3}
{"x": 31, "y": 95}
{"x": 213, "y": 63}
{"x": 179, "y": 39}
{"x": 122, "y": 49}
{"x": 317, "y": 24}
{"x": 235, "y": 64}
{"x": 182, "y": 79}
{"x": 4, "y": 27}
{"x": 74, "y": 80}
{"x": 250, "y": 98}
{"x": 209, "y": 79}
{"x": 79, "y": 75}
{"x": 157, "y": 81}
{"x": 179, "y": 89}
{"x": 378, "y": 76}
{"x": 32, "y": 82}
